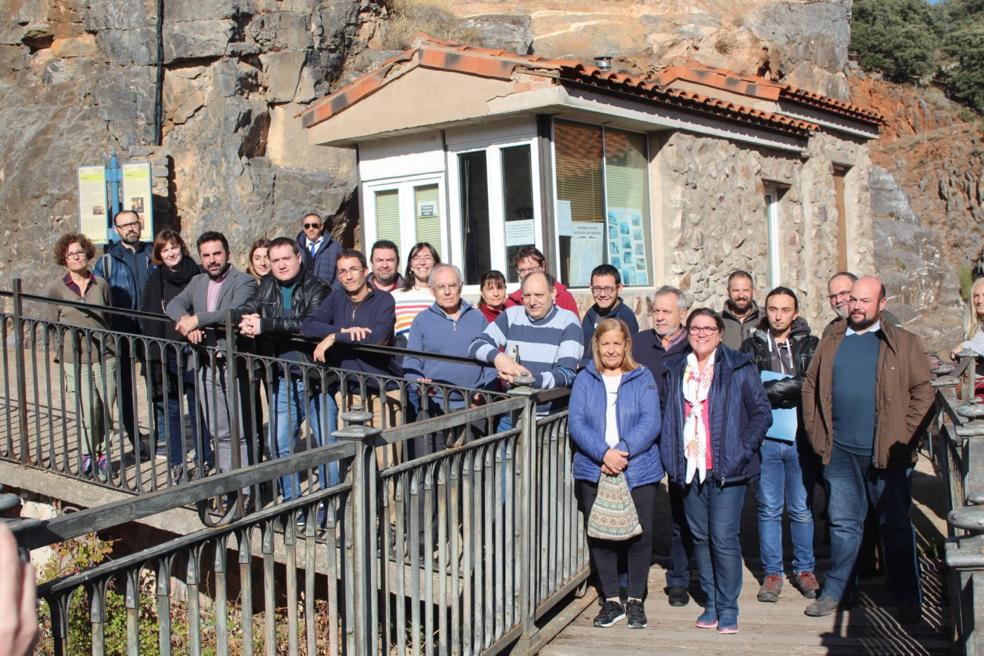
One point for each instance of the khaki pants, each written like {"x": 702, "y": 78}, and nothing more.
{"x": 94, "y": 388}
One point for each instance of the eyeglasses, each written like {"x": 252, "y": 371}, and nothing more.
{"x": 311, "y": 225}
{"x": 354, "y": 271}
{"x": 702, "y": 330}
{"x": 447, "y": 288}
{"x": 127, "y": 226}
{"x": 75, "y": 254}
{"x": 525, "y": 272}
{"x": 427, "y": 257}
{"x": 607, "y": 291}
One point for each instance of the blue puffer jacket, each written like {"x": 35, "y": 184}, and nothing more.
{"x": 740, "y": 415}
{"x": 125, "y": 283}
{"x": 638, "y": 425}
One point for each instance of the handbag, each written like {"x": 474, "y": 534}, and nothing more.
{"x": 613, "y": 515}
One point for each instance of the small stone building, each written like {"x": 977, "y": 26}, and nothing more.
{"x": 674, "y": 179}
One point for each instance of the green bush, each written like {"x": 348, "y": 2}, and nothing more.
{"x": 900, "y": 38}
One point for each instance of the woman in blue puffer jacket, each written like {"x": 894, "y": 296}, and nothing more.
{"x": 715, "y": 418}
{"x": 614, "y": 421}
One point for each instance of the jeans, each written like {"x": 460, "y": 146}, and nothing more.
{"x": 854, "y": 483}
{"x": 125, "y": 359}
{"x": 637, "y": 551}
{"x": 177, "y": 446}
{"x": 291, "y": 405}
{"x": 788, "y": 476}
{"x": 681, "y": 541}
{"x": 714, "y": 516}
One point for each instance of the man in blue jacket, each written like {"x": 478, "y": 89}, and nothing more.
{"x": 319, "y": 249}
{"x": 126, "y": 266}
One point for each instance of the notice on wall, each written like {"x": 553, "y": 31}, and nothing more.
{"x": 565, "y": 224}
{"x": 137, "y": 194}
{"x": 520, "y": 233}
{"x": 627, "y": 245}
{"x": 587, "y": 251}
{"x": 93, "y": 218}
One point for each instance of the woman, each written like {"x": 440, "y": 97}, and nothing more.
{"x": 975, "y": 326}
{"x": 620, "y": 440}
{"x": 174, "y": 271}
{"x": 715, "y": 418}
{"x": 493, "y": 290}
{"x": 415, "y": 296}
{"x": 87, "y": 355}
{"x": 259, "y": 258}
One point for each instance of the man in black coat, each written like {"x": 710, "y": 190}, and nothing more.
{"x": 273, "y": 317}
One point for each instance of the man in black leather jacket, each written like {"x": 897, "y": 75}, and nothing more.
{"x": 273, "y": 317}
{"x": 782, "y": 348}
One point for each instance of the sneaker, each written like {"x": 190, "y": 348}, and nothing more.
{"x": 771, "y": 587}
{"x": 678, "y": 596}
{"x": 806, "y": 583}
{"x": 729, "y": 629}
{"x": 177, "y": 474}
{"x": 610, "y": 613}
{"x": 707, "y": 620}
{"x": 102, "y": 468}
{"x": 86, "y": 470}
{"x": 822, "y": 606}
{"x": 636, "y": 614}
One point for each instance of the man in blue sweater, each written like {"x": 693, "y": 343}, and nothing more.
{"x": 606, "y": 285}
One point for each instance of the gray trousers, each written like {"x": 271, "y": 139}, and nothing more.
{"x": 218, "y": 403}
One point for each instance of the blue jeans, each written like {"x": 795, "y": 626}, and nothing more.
{"x": 785, "y": 477}
{"x": 290, "y": 409}
{"x": 175, "y": 418}
{"x": 681, "y": 541}
{"x": 853, "y": 482}
{"x": 714, "y": 516}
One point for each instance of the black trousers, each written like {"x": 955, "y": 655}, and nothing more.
{"x": 636, "y": 552}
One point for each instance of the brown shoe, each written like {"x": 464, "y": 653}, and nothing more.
{"x": 806, "y": 583}
{"x": 771, "y": 587}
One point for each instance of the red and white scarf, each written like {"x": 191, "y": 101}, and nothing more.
{"x": 696, "y": 387}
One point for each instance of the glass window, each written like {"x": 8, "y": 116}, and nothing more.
{"x": 473, "y": 171}
{"x": 602, "y": 202}
{"x": 388, "y": 216}
{"x": 517, "y": 203}
{"x": 428, "y": 216}
{"x": 772, "y": 225}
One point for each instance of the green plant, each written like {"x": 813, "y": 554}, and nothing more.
{"x": 900, "y": 38}
{"x": 966, "y": 278}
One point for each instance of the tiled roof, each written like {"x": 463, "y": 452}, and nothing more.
{"x": 501, "y": 64}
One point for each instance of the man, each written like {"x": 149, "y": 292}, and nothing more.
{"x": 741, "y": 314}
{"x": 320, "y": 250}
{"x": 273, "y": 317}
{"x": 384, "y": 258}
{"x": 839, "y": 293}
{"x": 606, "y": 287}
{"x": 360, "y": 313}
{"x": 546, "y": 338}
{"x": 201, "y": 305}
{"x": 866, "y": 398}
{"x": 652, "y": 348}
{"x": 783, "y": 349}
{"x": 530, "y": 260}
{"x": 126, "y": 266}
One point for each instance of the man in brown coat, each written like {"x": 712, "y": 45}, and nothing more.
{"x": 866, "y": 399}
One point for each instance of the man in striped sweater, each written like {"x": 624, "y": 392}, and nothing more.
{"x": 548, "y": 339}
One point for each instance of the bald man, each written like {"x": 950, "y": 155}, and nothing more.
{"x": 866, "y": 402}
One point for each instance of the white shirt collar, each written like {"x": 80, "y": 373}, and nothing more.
{"x": 873, "y": 328}
{"x": 314, "y": 243}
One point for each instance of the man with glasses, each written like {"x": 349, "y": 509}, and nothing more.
{"x": 606, "y": 285}
{"x": 838, "y": 295}
{"x": 320, "y": 251}
{"x": 126, "y": 267}
{"x": 529, "y": 260}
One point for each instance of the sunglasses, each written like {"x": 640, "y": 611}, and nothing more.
{"x": 312, "y": 225}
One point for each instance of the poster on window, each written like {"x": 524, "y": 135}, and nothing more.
{"x": 93, "y": 221}
{"x": 587, "y": 251}
{"x": 627, "y": 245}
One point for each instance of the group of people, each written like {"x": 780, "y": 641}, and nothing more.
{"x": 713, "y": 400}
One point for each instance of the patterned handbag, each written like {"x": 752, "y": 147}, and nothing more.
{"x": 613, "y": 515}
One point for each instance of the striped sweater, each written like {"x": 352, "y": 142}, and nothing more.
{"x": 549, "y": 347}
{"x": 409, "y": 304}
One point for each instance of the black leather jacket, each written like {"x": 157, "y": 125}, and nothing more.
{"x": 783, "y": 393}
{"x": 275, "y": 328}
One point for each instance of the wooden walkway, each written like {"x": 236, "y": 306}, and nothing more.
{"x": 870, "y": 627}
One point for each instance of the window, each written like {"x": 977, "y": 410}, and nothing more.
{"x": 602, "y": 202}
{"x": 772, "y": 195}
{"x": 473, "y": 170}
{"x": 517, "y": 203}
{"x": 406, "y": 212}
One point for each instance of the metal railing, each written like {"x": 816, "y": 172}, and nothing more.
{"x": 957, "y": 441}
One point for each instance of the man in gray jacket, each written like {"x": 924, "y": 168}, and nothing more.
{"x": 202, "y": 306}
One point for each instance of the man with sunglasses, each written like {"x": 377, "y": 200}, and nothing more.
{"x": 319, "y": 250}
{"x": 126, "y": 267}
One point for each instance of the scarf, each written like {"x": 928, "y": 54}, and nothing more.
{"x": 696, "y": 387}
{"x": 164, "y": 284}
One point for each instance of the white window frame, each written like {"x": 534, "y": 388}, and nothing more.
{"x": 772, "y": 197}
{"x": 497, "y": 223}
{"x": 408, "y": 223}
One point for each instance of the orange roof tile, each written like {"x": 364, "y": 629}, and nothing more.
{"x": 435, "y": 53}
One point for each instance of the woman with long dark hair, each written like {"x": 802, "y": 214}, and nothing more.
{"x": 169, "y": 363}
{"x": 714, "y": 420}
{"x": 415, "y": 296}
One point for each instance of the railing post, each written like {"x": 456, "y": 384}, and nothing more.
{"x": 968, "y": 362}
{"x": 524, "y": 528}
{"x": 20, "y": 371}
{"x": 233, "y": 403}
{"x": 363, "y": 540}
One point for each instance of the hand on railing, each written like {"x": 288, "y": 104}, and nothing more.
{"x": 18, "y": 599}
